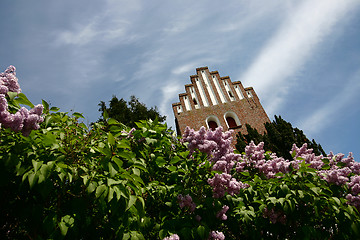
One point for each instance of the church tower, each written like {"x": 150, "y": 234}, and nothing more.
{"x": 212, "y": 101}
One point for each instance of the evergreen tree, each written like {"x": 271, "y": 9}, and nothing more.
{"x": 129, "y": 112}
{"x": 279, "y": 138}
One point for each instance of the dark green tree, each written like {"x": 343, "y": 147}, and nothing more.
{"x": 129, "y": 112}
{"x": 279, "y": 138}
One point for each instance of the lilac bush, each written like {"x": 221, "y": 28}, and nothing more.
{"x": 144, "y": 184}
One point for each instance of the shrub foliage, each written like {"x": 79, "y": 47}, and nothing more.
{"x": 66, "y": 181}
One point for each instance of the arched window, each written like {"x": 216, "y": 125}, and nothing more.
{"x": 231, "y": 122}
{"x": 212, "y": 122}
{"x": 212, "y": 125}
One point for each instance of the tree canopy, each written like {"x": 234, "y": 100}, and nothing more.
{"x": 129, "y": 112}
{"x": 279, "y": 137}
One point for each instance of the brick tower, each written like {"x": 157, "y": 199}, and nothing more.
{"x": 212, "y": 101}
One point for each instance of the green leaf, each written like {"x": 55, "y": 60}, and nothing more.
{"x": 49, "y": 139}
{"x": 137, "y": 178}
{"x": 100, "y": 190}
{"x": 85, "y": 179}
{"x": 66, "y": 222}
{"x": 131, "y": 201}
{"x": 123, "y": 145}
{"x": 172, "y": 168}
{"x": 32, "y": 177}
{"x": 112, "y": 170}
{"x": 112, "y": 181}
{"x": 140, "y": 166}
{"x": 150, "y": 140}
{"x": 62, "y": 176}
{"x": 112, "y": 121}
{"x": 46, "y": 105}
{"x": 77, "y": 115}
{"x": 316, "y": 190}
{"x": 122, "y": 191}
{"x": 111, "y": 139}
{"x": 36, "y": 165}
{"x": 111, "y": 193}
{"x": 160, "y": 161}
{"x": 136, "y": 171}
{"x": 118, "y": 162}
{"x": 126, "y": 236}
{"x": 63, "y": 228}
{"x": 336, "y": 200}
{"x": 12, "y": 95}
{"x": 175, "y": 159}
{"x": 46, "y": 168}
{"x": 126, "y": 155}
{"x": 301, "y": 193}
{"x": 163, "y": 233}
{"x": 105, "y": 114}
{"x": 136, "y": 236}
{"x": 91, "y": 187}
{"x": 54, "y": 109}
{"x": 22, "y": 99}
{"x": 201, "y": 230}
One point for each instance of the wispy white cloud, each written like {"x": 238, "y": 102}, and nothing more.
{"x": 335, "y": 108}
{"x": 91, "y": 36}
{"x": 168, "y": 92}
{"x": 291, "y": 46}
{"x": 254, "y": 15}
{"x": 93, "y": 32}
{"x": 109, "y": 25}
{"x": 183, "y": 68}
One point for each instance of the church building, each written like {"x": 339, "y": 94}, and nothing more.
{"x": 212, "y": 101}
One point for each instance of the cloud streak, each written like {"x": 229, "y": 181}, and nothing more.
{"x": 333, "y": 109}
{"x": 291, "y": 46}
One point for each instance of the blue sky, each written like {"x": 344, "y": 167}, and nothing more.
{"x": 301, "y": 57}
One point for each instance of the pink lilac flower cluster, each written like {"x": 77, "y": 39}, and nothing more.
{"x": 172, "y": 237}
{"x": 274, "y": 216}
{"x": 224, "y": 182}
{"x": 255, "y": 158}
{"x": 222, "y": 213}
{"x": 217, "y": 144}
{"x": 216, "y": 235}
{"x": 338, "y": 176}
{"x": 186, "y": 201}
{"x": 9, "y": 81}
{"x": 129, "y": 134}
{"x": 303, "y": 153}
{"x": 354, "y": 186}
{"x": 340, "y": 168}
{"x": 23, "y": 120}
